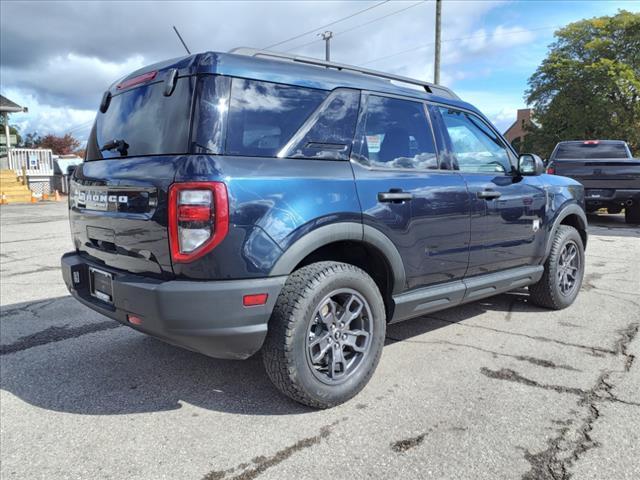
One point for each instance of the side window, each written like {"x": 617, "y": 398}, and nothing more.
{"x": 476, "y": 147}
{"x": 329, "y": 131}
{"x": 396, "y": 134}
{"x": 263, "y": 116}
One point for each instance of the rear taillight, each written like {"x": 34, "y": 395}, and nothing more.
{"x": 551, "y": 170}
{"x": 198, "y": 218}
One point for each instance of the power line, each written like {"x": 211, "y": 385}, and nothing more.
{"x": 79, "y": 126}
{"x": 327, "y": 25}
{"x": 470, "y": 37}
{"x": 358, "y": 26}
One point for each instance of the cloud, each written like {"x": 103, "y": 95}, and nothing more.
{"x": 59, "y": 57}
{"x": 71, "y": 80}
{"x": 45, "y": 118}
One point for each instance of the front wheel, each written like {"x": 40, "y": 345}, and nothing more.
{"x": 326, "y": 334}
{"x": 563, "y": 271}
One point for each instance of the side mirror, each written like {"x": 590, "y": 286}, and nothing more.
{"x": 530, "y": 164}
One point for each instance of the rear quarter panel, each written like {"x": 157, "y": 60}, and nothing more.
{"x": 272, "y": 203}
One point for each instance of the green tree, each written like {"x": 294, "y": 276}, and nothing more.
{"x": 588, "y": 86}
{"x": 13, "y": 130}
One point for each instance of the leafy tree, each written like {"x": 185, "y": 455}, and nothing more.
{"x": 588, "y": 86}
{"x": 13, "y": 130}
{"x": 60, "y": 145}
{"x": 31, "y": 140}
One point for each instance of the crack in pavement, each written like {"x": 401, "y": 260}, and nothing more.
{"x": 540, "y": 362}
{"x": 56, "y": 334}
{"x": 32, "y": 308}
{"x": 264, "y": 463}
{"x": 593, "y": 350}
{"x": 35, "y": 270}
{"x": 562, "y": 452}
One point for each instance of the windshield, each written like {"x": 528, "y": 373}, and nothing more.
{"x": 579, "y": 151}
{"x": 143, "y": 121}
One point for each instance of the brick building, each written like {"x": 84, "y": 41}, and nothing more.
{"x": 517, "y": 131}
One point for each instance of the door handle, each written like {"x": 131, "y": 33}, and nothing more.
{"x": 395, "y": 197}
{"x": 488, "y": 194}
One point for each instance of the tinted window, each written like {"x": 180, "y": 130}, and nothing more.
{"x": 264, "y": 116}
{"x": 476, "y": 147}
{"x": 570, "y": 151}
{"x": 209, "y": 119}
{"x": 149, "y": 122}
{"x": 397, "y": 134}
{"x": 329, "y": 131}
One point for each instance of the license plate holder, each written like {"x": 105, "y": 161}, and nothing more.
{"x": 101, "y": 285}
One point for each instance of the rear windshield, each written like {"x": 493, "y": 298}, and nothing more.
{"x": 577, "y": 151}
{"x": 149, "y": 122}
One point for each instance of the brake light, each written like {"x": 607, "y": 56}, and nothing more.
{"x": 145, "y": 77}
{"x": 551, "y": 170}
{"x": 591, "y": 142}
{"x": 198, "y": 219}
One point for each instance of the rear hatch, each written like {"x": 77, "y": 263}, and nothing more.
{"x": 118, "y": 202}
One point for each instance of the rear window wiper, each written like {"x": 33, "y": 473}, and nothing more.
{"x": 119, "y": 145}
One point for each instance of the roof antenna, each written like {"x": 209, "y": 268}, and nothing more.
{"x": 180, "y": 37}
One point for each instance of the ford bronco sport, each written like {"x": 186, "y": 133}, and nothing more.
{"x": 246, "y": 201}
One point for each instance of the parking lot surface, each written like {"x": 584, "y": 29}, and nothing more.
{"x": 493, "y": 389}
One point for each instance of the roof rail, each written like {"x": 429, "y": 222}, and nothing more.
{"x": 429, "y": 87}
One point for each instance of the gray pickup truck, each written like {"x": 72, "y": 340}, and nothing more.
{"x": 608, "y": 171}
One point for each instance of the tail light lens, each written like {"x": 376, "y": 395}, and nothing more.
{"x": 198, "y": 218}
{"x": 551, "y": 170}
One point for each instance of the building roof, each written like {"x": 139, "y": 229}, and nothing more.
{"x": 7, "y": 105}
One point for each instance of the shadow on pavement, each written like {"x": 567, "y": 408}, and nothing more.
{"x": 611, "y": 226}
{"x": 100, "y": 368}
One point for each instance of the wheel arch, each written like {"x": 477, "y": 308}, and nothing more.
{"x": 329, "y": 241}
{"x": 572, "y": 215}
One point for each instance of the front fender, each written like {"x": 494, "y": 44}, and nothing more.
{"x": 560, "y": 216}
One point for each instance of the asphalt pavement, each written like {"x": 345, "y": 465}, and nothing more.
{"x": 494, "y": 389}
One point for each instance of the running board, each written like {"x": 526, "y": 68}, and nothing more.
{"x": 438, "y": 297}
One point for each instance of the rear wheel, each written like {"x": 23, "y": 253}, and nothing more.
{"x": 563, "y": 271}
{"x": 614, "y": 210}
{"x": 325, "y": 334}
{"x": 632, "y": 213}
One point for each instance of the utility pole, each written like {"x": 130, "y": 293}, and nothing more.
{"x": 326, "y": 36}
{"x": 436, "y": 63}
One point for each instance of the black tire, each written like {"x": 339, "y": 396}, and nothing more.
{"x": 614, "y": 210}
{"x": 632, "y": 214}
{"x": 548, "y": 292}
{"x": 286, "y": 351}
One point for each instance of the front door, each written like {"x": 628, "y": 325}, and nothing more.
{"x": 506, "y": 210}
{"x": 403, "y": 193}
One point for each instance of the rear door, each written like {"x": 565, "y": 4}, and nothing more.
{"x": 118, "y": 204}
{"x": 506, "y": 210}
{"x": 403, "y": 193}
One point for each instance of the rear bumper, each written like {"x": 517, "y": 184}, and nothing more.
{"x": 204, "y": 316}
{"x": 598, "y": 196}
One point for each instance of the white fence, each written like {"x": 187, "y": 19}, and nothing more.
{"x": 36, "y": 161}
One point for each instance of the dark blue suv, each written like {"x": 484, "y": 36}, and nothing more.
{"x": 246, "y": 201}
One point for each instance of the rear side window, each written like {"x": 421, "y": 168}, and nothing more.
{"x": 328, "y": 133}
{"x": 263, "y": 116}
{"x": 396, "y": 134}
{"x": 148, "y": 122}
{"x": 587, "y": 150}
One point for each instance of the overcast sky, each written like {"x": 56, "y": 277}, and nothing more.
{"x": 57, "y": 58}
